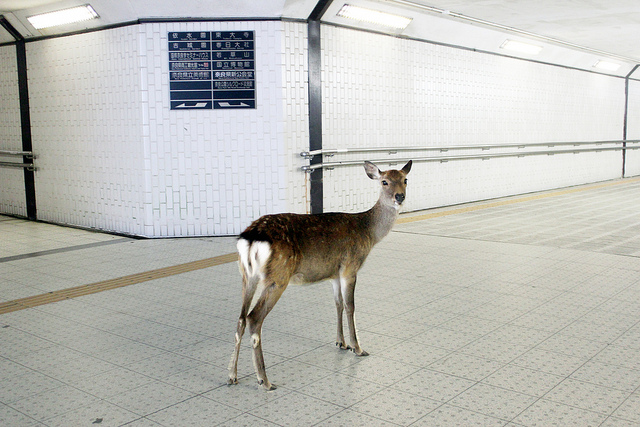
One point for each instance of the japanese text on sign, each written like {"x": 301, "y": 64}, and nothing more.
{"x": 212, "y": 70}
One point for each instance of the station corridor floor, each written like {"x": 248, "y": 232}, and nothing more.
{"x": 523, "y": 311}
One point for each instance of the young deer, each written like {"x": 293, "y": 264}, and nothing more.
{"x": 276, "y": 250}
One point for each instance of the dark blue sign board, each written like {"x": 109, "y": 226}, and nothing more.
{"x": 212, "y": 70}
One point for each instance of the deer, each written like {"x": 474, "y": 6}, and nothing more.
{"x": 287, "y": 248}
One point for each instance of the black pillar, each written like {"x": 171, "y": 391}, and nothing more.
{"x": 314, "y": 50}
{"x": 25, "y": 117}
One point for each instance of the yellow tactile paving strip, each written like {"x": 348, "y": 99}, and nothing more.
{"x": 511, "y": 201}
{"x": 61, "y": 295}
{"x": 92, "y": 288}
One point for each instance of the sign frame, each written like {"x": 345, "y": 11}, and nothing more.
{"x": 212, "y": 70}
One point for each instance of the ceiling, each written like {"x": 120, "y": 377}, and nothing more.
{"x": 608, "y": 27}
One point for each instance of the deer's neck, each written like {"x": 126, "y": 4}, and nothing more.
{"x": 381, "y": 218}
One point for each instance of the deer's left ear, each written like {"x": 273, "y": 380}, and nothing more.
{"x": 407, "y": 167}
{"x": 372, "y": 170}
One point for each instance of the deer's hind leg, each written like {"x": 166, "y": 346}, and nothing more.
{"x": 249, "y": 285}
{"x": 267, "y": 300}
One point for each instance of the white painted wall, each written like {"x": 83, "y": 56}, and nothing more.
{"x": 12, "y": 196}
{"x": 381, "y": 91}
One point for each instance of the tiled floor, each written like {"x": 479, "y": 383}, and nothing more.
{"x": 519, "y": 313}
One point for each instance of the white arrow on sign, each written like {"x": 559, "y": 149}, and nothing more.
{"x": 198, "y": 105}
{"x": 227, "y": 104}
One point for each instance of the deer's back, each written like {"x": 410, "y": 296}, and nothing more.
{"x": 313, "y": 247}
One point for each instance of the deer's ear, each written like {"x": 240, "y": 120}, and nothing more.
{"x": 372, "y": 170}
{"x": 407, "y": 167}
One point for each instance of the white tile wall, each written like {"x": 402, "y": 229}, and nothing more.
{"x": 87, "y": 129}
{"x": 632, "y": 166}
{"x": 296, "y": 114}
{"x": 213, "y": 172}
{"x": 12, "y": 196}
{"x": 113, "y": 156}
{"x": 381, "y": 91}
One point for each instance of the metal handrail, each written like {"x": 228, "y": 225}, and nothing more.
{"x": 443, "y": 159}
{"x": 332, "y": 151}
{"x": 26, "y": 155}
{"x": 27, "y": 166}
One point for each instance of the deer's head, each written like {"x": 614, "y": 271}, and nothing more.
{"x": 393, "y": 183}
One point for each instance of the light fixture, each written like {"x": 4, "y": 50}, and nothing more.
{"x": 521, "y": 47}
{"x": 607, "y": 66}
{"x": 64, "y": 16}
{"x": 374, "y": 17}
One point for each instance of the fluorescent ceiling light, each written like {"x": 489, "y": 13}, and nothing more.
{"x": 607, "y": 66}
{"x": 64, "y": 16}
{"x": 374, "y": 16}
{"x": 521, "y": 47}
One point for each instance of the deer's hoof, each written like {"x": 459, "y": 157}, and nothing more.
{"x": 360, "y": 353}
{"x": 232, "y": 381}
{"x": 342, "y": 346}
{"x": 267, "y": 385}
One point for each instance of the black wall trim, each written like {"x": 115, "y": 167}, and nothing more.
{"x": 25, "y": 125}
{"x": 315, "y": 105}
{"x": 25, "y": 117}
{"x": 315, "y": 115}
{"x": 314, "y": 50}
{"x": 319, "y": 10}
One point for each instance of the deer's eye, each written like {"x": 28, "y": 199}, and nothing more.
{"x": 385, "y": 183}
{"x": 405, "y": 181}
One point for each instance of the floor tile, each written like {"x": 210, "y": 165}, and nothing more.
{"x": 629, "y": 409}
{"x": 588, "y": 396}
{"x": 54, "y": 402}
{"x": 523, "y": 380}
{"x": 150, "y": 398}
{"x": 544, "y": 413}
{"x": 12, "y": 417}
{"x": 493, "y": 401}
{"x": 100, "y": 413}
{"x": 296, "y": 409}
{"x": 448, "y": 415}
{"x": 355, "y": 419}
{"x": 196, "y": 411}
{"x": 434, "y": 385}
{"x": 466, "y": 366}
{"x": 395, "y": 406}
{"x": 341, "y": 389}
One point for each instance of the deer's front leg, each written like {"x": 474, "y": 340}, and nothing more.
{"x": 337, "y": 295}
{"x": 348, "y": 287}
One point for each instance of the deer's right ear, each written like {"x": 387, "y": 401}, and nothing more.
{"x": 372, "y": 170}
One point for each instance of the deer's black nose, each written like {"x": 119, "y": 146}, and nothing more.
{"x": 400, "y": 197}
